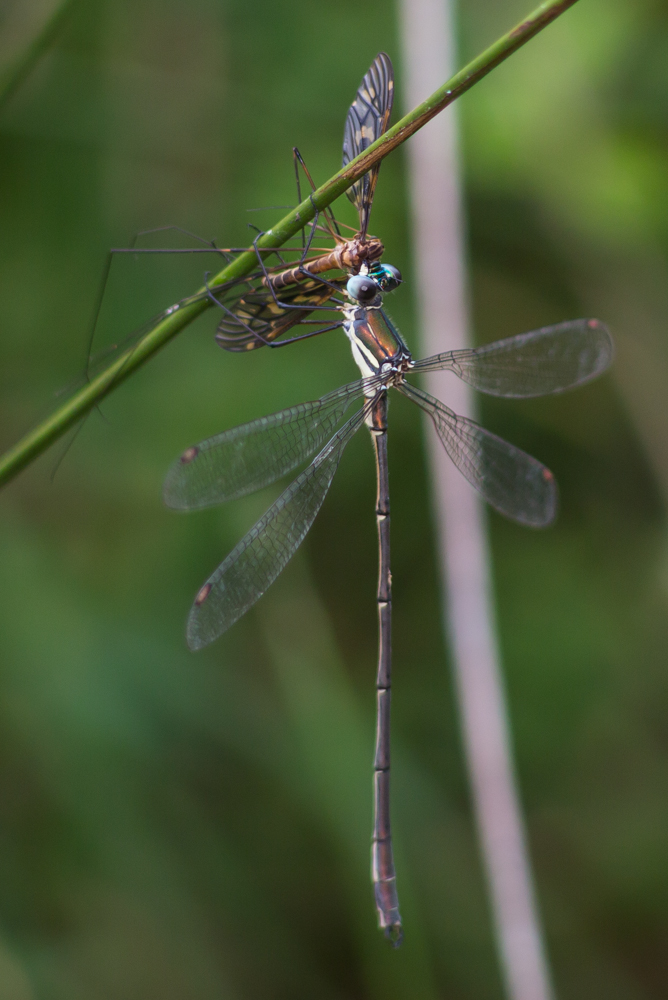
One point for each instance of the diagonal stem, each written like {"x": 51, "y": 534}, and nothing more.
{"x": 38, "y": 440}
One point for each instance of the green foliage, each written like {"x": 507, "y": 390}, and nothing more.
{"x": 177, "y": 826}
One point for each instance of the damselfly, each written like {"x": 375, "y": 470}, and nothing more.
{"x": 247, "y": 458}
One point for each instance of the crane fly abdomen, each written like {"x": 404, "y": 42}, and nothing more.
{"x": 348, "y": 256}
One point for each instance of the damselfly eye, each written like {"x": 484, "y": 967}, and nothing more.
{"x": 389, "y": 278}
{"x": 362, "y": 288}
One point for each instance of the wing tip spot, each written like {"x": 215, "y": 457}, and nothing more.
{"x": 202, "y": 595}
{"x": 189, "y": 454}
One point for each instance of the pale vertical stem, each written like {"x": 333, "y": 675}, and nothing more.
{"x": 382, "y": 861}
{"x": 468, "y": 612}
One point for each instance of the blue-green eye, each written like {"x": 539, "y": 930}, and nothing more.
{"x": 362, "y": 288}
{"x": 391, "y": 279}
{"x": 387, "y": 275}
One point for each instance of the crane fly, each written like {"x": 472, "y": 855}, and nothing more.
{"x": 284, "y": 298}
{"x": 246, "y": 458}
{"x": 260, "y": 308}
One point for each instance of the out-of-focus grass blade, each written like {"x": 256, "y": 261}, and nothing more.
{"x": 21, "y": 66}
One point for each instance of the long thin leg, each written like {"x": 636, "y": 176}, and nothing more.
{"x": 132, "y": 249}
{"x": 382, "y": 861}
{"x": 328, "y": 213}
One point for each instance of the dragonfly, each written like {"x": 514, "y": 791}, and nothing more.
{"x": 244, "y": 459}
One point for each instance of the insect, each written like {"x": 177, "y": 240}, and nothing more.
{"x": 260, "y": 308}
{"x": 281, "y": 298}
{"x": 247, "y": 458}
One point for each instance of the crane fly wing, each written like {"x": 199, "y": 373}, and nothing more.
{"x": 513, "y": 482}
{"x": 538, "y": 363}
{"x": 255, "y": 562}
{"x": 247, "y": 458}
{"x": 367, "y": 120}
{"x": 255, "y": 314}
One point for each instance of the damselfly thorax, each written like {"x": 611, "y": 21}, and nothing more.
{"x": 375, "y": 347}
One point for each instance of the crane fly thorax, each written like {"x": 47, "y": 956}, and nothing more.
{"x": 356, "y": 252}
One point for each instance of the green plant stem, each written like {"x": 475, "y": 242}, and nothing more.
{"x": 14, "y": 76}
{"x": 38, "y": 440}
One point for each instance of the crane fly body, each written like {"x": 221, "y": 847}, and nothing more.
{"x": 261, "y": 308}
{"x": 285, "y": 298}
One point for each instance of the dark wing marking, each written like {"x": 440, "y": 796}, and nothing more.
{"x": 513, "y": 482}
{"x": 367, "y": 120}
{"x": 255, "y": 314}
{"x": 538, "y": 363}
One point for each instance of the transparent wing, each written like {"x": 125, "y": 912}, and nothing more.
{"x": 246, "y": 458}
{"x": 538, "y": 363}
{"x": 253, "y": 565}
{"x": 513, "y": 482}
{"x": 367, "y": 120}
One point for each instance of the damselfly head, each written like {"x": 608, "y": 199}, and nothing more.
{"x": 387, "y": 276}
{"x": 363, "y": 289}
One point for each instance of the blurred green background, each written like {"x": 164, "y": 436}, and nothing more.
{"x": 182, "y": 826}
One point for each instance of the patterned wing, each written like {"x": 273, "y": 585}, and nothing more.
{"x": 513, "y": 482}
{"x": 367, "y": 120}
{"x": 254, "y": 318}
